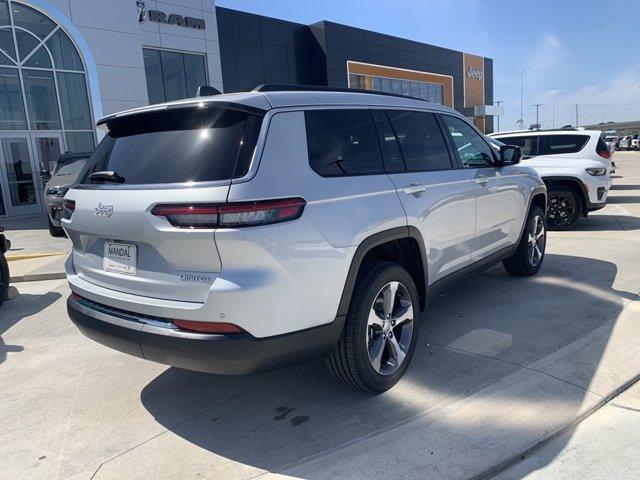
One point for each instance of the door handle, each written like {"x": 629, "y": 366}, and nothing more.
{"x": 414, "y": 189}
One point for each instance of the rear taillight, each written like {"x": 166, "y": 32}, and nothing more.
{"x": 231, "y": 215}
{"x": 207, "y": 327}
{"x": 68, "y": 207}
{"x": 603, "y": 151}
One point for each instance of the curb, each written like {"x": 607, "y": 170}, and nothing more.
{"x": 515, "y": 459}
{"x": 29, "y": 256}
{"x": 37, "y": 277}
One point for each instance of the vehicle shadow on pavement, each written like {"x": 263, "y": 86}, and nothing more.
{"x": 473, "y": 335}
{"x": 11, "y": 312}
{"x": 623, "y": 199}
{"x": 606, "y": 223}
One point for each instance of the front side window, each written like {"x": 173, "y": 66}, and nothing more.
{"x": 473, "y": 151}
{"x": 528, "y": 144}
{"x": 556, "y": 144}
{"x": 421, "y": 142}
{"x": 343, "y": 143}
{"x": 173, "y": 75}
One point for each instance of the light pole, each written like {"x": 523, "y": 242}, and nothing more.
{"x": 498, "y": 102}
{"x": 537, "y": 105}
{"x": 521, "y": 70}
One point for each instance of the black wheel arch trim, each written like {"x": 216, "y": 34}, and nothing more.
{"x": 537, "y": 190}
{"x": 410, "y": 231}
{"x": 369, "y": 244}
{"x": 576, "y": 181}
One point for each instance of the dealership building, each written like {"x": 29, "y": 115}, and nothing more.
{"x": 66, "y": 63}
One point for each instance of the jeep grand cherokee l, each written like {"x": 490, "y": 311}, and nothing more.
{"x": 242, "y": 232}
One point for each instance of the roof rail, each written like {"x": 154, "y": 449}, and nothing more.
{"x": 321, "y": 88}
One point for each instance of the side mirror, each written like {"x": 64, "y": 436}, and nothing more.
{"x": 45, "y": 175}
{"x": 510, "y": 155}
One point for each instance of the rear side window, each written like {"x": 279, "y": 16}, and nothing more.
{"x": 421, "y": 142}
{"x": 177, "y": 146}
{"x": 528, "y": 145}
{"x": 555, "y": 144}
{"x": 343, "y": 143}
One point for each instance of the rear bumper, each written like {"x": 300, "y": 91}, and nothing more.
{"x": 161, "y": 342}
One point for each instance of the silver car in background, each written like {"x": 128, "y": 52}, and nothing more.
{"x": 68, "y": 167}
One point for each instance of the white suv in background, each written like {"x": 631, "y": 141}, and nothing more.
{"x": 242, "y": 232}
{"x": 574, "y": 164}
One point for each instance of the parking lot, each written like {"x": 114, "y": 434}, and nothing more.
{"x": 502, "y": 367}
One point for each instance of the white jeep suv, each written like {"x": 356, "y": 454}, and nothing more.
{"x": 243, "y": 232}
{"x": 574, "y": 164}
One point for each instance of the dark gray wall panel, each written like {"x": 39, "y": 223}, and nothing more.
{"x": 256, "y": 49}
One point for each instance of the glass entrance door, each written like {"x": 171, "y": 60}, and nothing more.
{"x": 47, "y": 148}
{"x": 19, "y": 176}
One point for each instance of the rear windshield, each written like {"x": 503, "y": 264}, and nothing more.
{"x": 177, "y": 146}
{"x": 71, "y": 166}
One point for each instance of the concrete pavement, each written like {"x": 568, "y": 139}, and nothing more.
{"x": 503, "y": 367}
{"x": 30, "y": 235}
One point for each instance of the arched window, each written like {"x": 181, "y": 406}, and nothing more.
{"x": 43, "y": 85}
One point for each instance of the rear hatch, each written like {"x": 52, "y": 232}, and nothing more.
{"x": 183, "y": 155}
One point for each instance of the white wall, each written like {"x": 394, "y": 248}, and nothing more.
{"x": 115, "y": 38}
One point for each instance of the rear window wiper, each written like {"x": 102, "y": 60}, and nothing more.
{"x": 107, "y": 176}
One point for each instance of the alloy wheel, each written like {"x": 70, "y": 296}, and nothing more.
{"x": 390, "y": 328}
{"x": 560, "y": 210}
{"x": 536, "y": 241}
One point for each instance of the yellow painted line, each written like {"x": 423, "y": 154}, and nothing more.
{"x": 29, "y": 256}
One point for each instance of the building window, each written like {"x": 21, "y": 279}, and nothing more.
{"x": 43, "y": 84}
{"x": 432, "y": 92}
{"x": 173, "y": 75}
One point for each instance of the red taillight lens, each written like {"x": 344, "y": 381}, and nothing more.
{"x": 188, "y": 216}
{"x": 231, "y": 215}
{"x": 68, "y": 207}
{"x": 207, "y": 327}
{"x": 604, "y": 153}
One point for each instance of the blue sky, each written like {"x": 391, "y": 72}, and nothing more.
{"x": 585, "y": 52}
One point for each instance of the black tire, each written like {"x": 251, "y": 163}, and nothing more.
{"x": 349, "y": 362}
{"x": 564, "y": 207}
{"x": 4, "y": 278}
{"x": 55, "y": 231}
{"x": 522, "y": 263}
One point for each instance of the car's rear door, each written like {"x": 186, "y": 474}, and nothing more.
{"x": 438, "y": 197}
{"x": 181, "y": 160}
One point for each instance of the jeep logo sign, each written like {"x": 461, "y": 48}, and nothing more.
{"x": 474, "y": 73}
{"x": 174, "y": 19}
